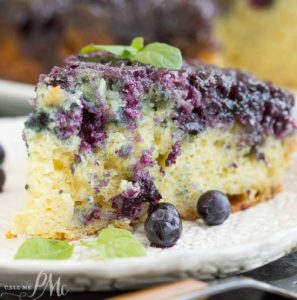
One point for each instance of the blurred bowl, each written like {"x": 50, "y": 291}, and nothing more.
{"x": 14, "y": 98}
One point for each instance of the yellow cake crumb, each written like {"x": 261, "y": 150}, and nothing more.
{"x": 54, "y": 96}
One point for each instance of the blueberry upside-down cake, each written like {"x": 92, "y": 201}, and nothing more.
{"x": 258, "y": 35}
{"x": 109, "y": 138}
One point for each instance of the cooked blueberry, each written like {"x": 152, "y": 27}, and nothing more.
{"x": 213, "y": 207}
{"x": 2, "y": 154}
{"x": 131, "y": 203}
{"x": 2, "y": 179}
{"x": 38, "y": 120}
{"x": 174, "y": 153}
{"x": 163, "y": 226}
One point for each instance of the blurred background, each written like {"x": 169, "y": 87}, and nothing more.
{"x": 35, "y": 35}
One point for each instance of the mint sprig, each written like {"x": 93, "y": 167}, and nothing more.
{"x": 114, "y": 242}
{"x": 40, "y": 248}
{"x": 138, "y": 43}
{"x": 117, "y": 50}
{"x": 159, "y": 55}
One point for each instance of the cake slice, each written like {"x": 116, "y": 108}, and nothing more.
{"x": 108, "y": 138}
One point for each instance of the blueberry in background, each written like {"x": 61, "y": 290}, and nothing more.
{"x": 163, "y": 226}
{"x": 2, "y": 174}
{"x": 213, "y": 207}
{"x": 2, "y": 179}
{"x": 2, "y": 155}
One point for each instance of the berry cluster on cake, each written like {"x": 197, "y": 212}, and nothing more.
{"x": 109, "y": 137}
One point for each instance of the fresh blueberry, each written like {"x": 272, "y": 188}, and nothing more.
{"x": 213, "y": 207}
{"x": 163, "y": 226}
{"x": 2, "y": 179}
{"x": 2, "y": 154}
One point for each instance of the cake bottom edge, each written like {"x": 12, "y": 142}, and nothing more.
{"x": 239, "y": 202}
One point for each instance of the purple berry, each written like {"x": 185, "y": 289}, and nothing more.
{"x": 163, "y": 226}
{"x": 174, "y": 153}
{"x": 132, "y": 202}
{"x": 2, "y": 155}
{"x": 92, "y": 216}
{"x": 2, "y": 179}
{"x": 213, "y": 207}
{"x": 38, "y": 120}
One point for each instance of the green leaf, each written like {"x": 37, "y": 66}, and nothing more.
{"x": 138, "y": 43}
{"x": 118, "y": 50}
{"x": 160, "y": 55}
{"x": 114, "y": 242}
{"x": 40, "y": 248}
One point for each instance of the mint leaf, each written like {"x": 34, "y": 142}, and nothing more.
{"x": 40, "y": 248}
{"x": 160, "y": 55}
{"x": 138, "y": 43}
{"x": 112, "y": 233}
{"x": 114, "y": 242}
{"x": 117, "y": 50}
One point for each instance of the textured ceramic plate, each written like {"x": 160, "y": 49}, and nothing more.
{"x": 246, "y": 240}
{"x": 14, "y": 98}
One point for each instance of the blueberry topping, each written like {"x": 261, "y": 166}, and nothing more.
{"x": 163, "y": 226}
{"x": 213, "y": 207}
{"x": 87, "y": 122}
{"x": 92, "y": 126}
{"x": 68, "y": 122}
{"x": 38, "y": 120}
{"x": 2, "y": 155}
{"x": 197, "y": 97}
{"x": 2, "y": 179}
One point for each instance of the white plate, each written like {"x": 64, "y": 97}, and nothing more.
{"x": 245, "y": 241}
{"x": 14, "y": 98}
